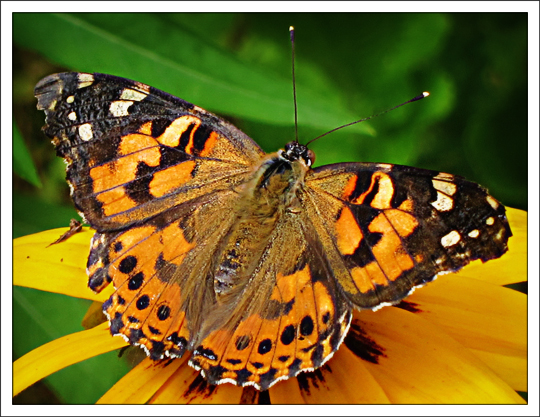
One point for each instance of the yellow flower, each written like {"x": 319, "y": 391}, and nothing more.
{"x": 461, "y": 339}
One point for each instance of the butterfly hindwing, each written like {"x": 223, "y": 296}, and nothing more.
{"x": 162, "y": 274}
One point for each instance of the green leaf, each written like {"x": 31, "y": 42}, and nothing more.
{"x": 23, "y": 165}
{"x": 32, "y": 215}
{"x": 173, "y": 59}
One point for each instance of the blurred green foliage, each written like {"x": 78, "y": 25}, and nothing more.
{"x": 349, "y": 66}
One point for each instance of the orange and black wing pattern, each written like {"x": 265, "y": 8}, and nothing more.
{"x": 133, "y": 151}
{"x": 391, "y": 228}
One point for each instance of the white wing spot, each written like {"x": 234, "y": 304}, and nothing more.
{"x": 85, "y": 132}
{"x": 142, "y": 86}
{"x": 450, "y": 239}
{"x": 199, "y": 109}
{"x": 443, "y": 202}
{"x": 448, "y": 188}
{"x": 120, "y": 108}
{"x": 70, "y": 99}
{"x": 490, "y": 221}
{"x": 85, "y": 80}
{"x": 444, "y": 176}
{"x": 474, "y": 233}
{"x": 72, "y": 116}
{"x": 128, "y": 94}
{"x": 385, "y": 166}
{"x": 492, "y": 202}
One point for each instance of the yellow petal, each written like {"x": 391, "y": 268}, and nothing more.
{"x": 487, "y": 318}
{"x": 187, "y": 386}
{"x": 512, "y": 369}
{"x": 59, "y": 268}
{"x": 62, "y": 352}
{"x": 421, "y": 364}
{"x": 343, "y": 380}
{"x": 138, "y": 386}
{"x": 512, "y": 266}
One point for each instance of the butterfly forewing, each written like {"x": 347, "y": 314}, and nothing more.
{"x": 395, "y": 227}
{"x": 133, "y": 151}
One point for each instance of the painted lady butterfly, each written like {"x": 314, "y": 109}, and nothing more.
{"x": 251, "y": 261}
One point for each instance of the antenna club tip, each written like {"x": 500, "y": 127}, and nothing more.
{"x": 425, "y": 93}
{"x": 291, "y": 28}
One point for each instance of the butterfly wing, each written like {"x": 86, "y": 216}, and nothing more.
{"x": 387, "y": 229}
{"x": 133, "y": 151}
{"x": 289, "y": 316}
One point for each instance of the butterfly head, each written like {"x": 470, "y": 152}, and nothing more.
{"x": 295, "y": 151}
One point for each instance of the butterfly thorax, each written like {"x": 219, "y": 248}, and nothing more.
{"x": 270, "y": 194}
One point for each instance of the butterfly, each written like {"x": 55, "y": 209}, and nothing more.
{"x": 253, "y": 262}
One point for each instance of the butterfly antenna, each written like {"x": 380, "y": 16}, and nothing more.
{"x": 420, "y": 97}
{"x": 291, "y": 31}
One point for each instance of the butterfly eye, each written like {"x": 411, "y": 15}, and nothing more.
{"x": 311, "y": 157}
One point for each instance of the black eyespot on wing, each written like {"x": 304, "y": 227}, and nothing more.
{"x": 127, "y": 264}
{"x": 163, "y": 312}
{"x": 242, "y": 342}
{"x": 287, "y": 336}
{"x": 136, "y": 281}
{"x": 143, "y": 302}
{"x": 265, "y": 346}
{"x": 306, "y": 326}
